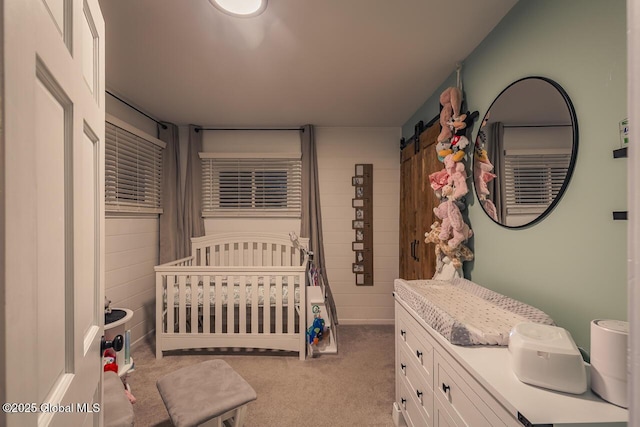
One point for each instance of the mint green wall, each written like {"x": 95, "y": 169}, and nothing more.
{"x": 572, "y": 265}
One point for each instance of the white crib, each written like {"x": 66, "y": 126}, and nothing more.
{"x": 237, "y": 290}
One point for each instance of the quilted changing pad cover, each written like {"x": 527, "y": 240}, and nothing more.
{"x": 466, "y": 313}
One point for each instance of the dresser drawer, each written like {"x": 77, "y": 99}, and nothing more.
{"x": 463, "y": 397}
{"x": 411, "y": 405}
{"x": 422, "y": 391}
{"x": 413, "y": 338}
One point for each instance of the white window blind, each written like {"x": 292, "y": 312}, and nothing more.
{"x": 263, "y": 185}
{"x": 133, "y": 171}
{"x": 533, "y": 180}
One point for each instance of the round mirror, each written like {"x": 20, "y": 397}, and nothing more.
{"x": 525, "y": 152}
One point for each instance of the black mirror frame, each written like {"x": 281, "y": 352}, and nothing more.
{"x": 572, "y": 161}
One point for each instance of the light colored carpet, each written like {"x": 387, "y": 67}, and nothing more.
{"x": 352, "y": 388}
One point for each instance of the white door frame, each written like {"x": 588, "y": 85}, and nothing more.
{"x": 633, "y": 186}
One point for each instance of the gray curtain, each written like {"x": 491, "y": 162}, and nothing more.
{"x": 495, "y": 151}
{"x": 193, "y": 222}
{"x": 311, "y": 224}
{"x": 171, "y": 222}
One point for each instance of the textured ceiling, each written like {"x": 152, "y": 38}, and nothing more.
{"x": 325, "y": 62}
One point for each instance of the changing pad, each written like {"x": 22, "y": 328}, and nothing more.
{"x": 466, "y": 313}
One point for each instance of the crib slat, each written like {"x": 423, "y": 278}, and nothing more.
{"x": 182, "y": 305}
{"x": 250, "y": 253}
{"x": 242, "y": 306}
{"x": 278, "y": 304}
{"x": 230, "y": 304}
{"x": 218, "y": 318}
{"x": 254, "y": 305}
{"x": 266, "y": 311}
{"x": 269, "y": 254}
{"x": 206, "y": 304}
{"x": 241, "y": 253}
{"x": 291, "y": 305}
{"x": 171, "y": 283}
{"x": 195, "y": 303}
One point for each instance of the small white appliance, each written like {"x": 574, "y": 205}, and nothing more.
{"x": 546, "y": 356}
{"x": 609, "y": 342}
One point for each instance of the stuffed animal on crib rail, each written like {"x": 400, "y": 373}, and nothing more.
{"x": 316, "y": 330}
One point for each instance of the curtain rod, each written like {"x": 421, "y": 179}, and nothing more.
{"x": 139, "y": 111}
{"x": 298, "y": 129}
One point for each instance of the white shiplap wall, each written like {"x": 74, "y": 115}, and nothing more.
{"x": 339, "y": 149}
{"x": 131, "y": 248}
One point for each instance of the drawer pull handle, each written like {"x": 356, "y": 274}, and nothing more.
{"x": 418, "y": 354}
{"x": 403, "y": 366}
{"x": 418, "y": 393}
{"x": 403, "y": 332}
{"x": 445, "y": 388}
{"x": 403, "y": 402}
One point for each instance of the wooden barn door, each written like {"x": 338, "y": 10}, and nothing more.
{"x": 417, "y": 200}
{"x": 54, "y": 211}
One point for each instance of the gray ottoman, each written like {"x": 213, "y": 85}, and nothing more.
{"x": 208, "y": 393}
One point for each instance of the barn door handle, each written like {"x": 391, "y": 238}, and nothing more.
{"x": 116, "y": 344}
{"x": 415, "y": 247}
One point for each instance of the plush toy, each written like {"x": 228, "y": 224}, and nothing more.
{"x": 444, "y": 253}
{"x": 454, "y": 229}
{"x": 450, "y": 102}
{"x": 437, "y": 180}
{"x": 443, "y": 149}
{"x": 459, "y": 140}
{"x": 457, "y": 177}
{"x": 482, "y": 175}
{"x": 490, "y": 209}
{"x": 316, "y": 330}
{"x": 109, "y": 360}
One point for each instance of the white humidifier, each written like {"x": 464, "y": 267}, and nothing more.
{"x": 609, "y": 360}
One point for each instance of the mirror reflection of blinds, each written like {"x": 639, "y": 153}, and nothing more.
{"x": 133, "y": 172}
{"x": 532, "y": 181}
{"x": 250, "y": 187}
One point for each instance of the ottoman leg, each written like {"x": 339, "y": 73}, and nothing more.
{"x": 233, "y": 418}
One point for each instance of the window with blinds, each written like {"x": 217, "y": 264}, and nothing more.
{"x": 133, "y": 170}
{"x": 261, "y": 186}
{"x": 533, "y": 181}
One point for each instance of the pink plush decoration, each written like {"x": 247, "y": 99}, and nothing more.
{"x": 482, "y": 175}
{"x": 454, "y": 229}
{"x": 439, "y": 179}
{"x": 451, "y": 100}
{"x": 490, "y": 209}
{"x": 457, "y": 177}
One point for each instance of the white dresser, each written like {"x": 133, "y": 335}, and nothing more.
{"x": 440, "y": 384}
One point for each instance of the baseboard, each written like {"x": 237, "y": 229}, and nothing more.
{"x": 366, "y": 322}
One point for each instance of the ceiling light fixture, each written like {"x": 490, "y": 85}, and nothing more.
{"x": 241, "y": 8}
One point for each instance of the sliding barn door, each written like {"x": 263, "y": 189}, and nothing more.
{"x": 54, "y": 203}
{"x": 417, "y": 200}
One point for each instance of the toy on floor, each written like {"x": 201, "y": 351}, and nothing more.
{"x": 316, "y": 330}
